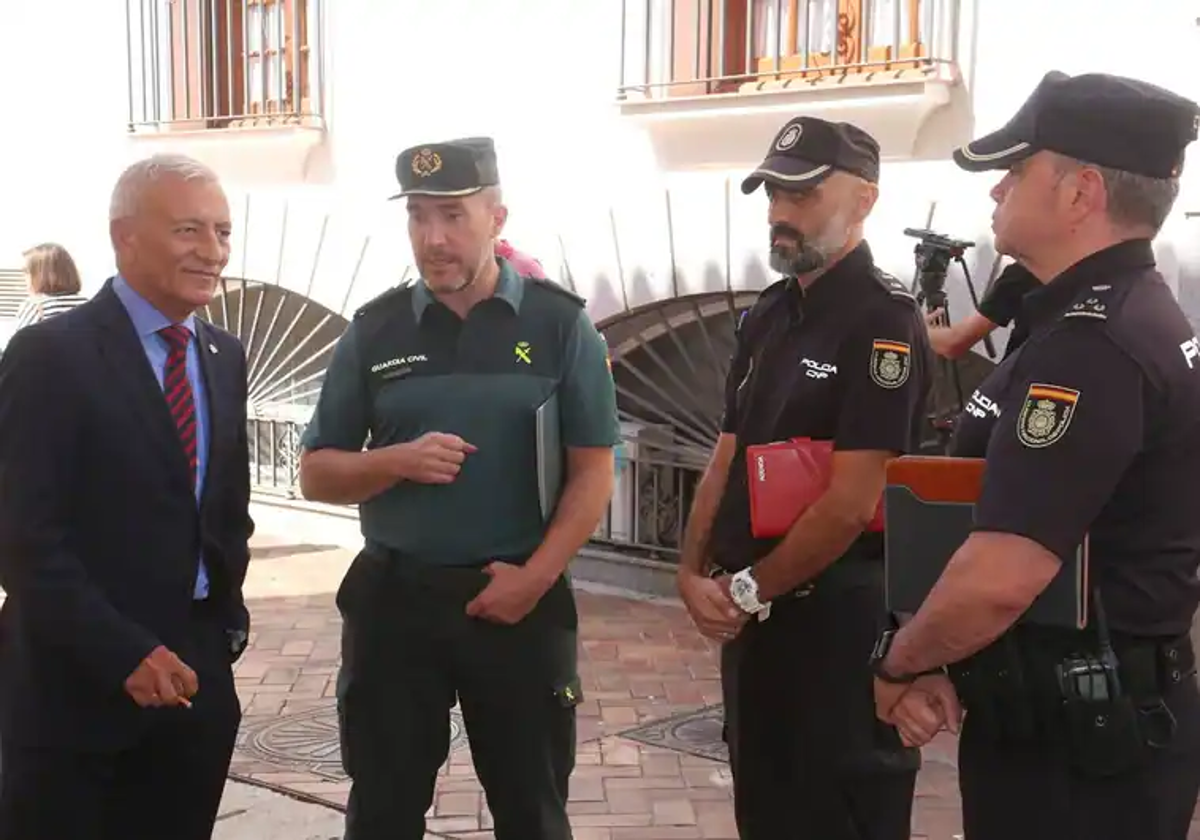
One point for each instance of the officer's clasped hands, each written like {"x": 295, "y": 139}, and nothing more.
{"x": 433, "y": 458}
{"x": 919, "y": 710}
{"x": 711, "y": 608}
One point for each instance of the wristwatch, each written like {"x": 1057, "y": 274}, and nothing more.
{"x": 743, "y": 589}
{"x": 879, "y": 654}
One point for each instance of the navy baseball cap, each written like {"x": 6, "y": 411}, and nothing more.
{"x": 1111, "y": 121}
{"x": 807, "y": 150}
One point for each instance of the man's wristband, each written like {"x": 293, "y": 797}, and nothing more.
{"x": 879, "y": 656}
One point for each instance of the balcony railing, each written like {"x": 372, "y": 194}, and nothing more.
{"x": 274, "y": 440}
{"x": 196, "y": 64}
{"x": 646, "y": 516}
{"x": 698, "y": 47}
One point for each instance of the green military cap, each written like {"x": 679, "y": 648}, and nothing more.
{"x": 451, "y": 168}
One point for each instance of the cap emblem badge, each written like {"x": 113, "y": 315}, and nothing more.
{"x": 788, "y": 139}
{"x": 426, "y": 162}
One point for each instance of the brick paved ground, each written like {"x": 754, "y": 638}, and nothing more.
{"x": 641, "y": 663}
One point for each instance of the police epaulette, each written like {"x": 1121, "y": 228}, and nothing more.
{"x": 894, "y": 287}
{"x": 551, "y": 286}
{"x": 383, "y": 297}
{"x": 780, "y": 286}
{"x": 1091, "y": 304}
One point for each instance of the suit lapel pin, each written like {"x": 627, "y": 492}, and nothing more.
{"x": 212, "y": 348}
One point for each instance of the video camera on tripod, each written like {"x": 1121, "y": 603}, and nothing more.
{"x": 934, "y": 253}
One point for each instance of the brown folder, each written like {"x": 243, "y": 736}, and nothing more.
{"x": 929, "y": 506}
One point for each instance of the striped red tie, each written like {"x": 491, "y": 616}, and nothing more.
{"x": 178, "y": 390}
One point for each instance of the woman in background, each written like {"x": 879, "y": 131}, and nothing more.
{"x": 524, "y": 264}
{"x": 53, "y": 284}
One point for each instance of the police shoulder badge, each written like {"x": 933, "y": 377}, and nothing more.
{"x": 891, "y": 362}
{"x": 1046, "y": 414}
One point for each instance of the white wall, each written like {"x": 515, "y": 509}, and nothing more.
{"x": 540, "y": 76}
{"x": 64, "y": 101}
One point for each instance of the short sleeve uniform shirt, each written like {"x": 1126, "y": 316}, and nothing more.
{"x": 845, "y": 360}
{"x": 1093, "y": 427}
{"x": 408, "y": 365}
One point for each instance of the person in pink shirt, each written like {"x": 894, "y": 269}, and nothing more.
{"x": 525, "y": 265}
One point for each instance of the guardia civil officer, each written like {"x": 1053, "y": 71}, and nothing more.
{"x": 1001, "y": 306}
{"x": 1095, "y": 430}
{"x": 461, "y": 588}
{"x": 835, "y": 351}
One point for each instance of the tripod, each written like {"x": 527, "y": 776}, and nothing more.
{"x": 942, "y": 416}
{"x": 933, "y": 256}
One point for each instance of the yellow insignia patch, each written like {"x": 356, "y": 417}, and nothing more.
{"x": 1046, "y": 415}
{"x": 426, "y": 162}
{"x": 891, "y": 362}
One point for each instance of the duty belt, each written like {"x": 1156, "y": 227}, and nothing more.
{"x": 1025, "y": 685}
{"x": 458, "y": 581}
{"x": 1153, "y": 667}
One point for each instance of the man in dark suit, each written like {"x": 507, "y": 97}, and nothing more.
{"x": 124, "y": 528}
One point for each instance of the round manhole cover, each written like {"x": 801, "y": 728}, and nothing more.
{"x": 698, "y": 733}
{"x": 307, "y": 741}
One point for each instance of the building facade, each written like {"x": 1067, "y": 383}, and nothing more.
{"x": 623, "y": 129}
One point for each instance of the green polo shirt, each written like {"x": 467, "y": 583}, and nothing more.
{"x": 407, "y": 365}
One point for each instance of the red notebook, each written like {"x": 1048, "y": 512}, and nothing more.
{"x": 785, "y": 478}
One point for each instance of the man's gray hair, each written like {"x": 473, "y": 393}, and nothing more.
{"x": 127, "y": 194}
{"x": 1134, "y": 201}
{"x": 1138, "y": 200}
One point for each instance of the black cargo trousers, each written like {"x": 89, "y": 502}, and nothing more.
{"x": 408, "y": 651}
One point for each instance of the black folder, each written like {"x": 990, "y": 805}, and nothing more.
{"x": 550, "y": 455}
{"x": 929, "y": 507}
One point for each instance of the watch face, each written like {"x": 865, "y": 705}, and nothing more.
{"x": 744, "y": 592}
{"x": 739, "y": 587}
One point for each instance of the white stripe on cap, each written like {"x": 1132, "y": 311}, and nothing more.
{"x": 966, "y": 152}
{"x": 812, "y": 173}
{"x": 443, "y": 193}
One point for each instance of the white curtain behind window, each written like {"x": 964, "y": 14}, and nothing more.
{"x": 772, "y": 26}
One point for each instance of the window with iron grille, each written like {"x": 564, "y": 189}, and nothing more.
{"x": 698, "y": 47}
{"x": 196, "y": 64}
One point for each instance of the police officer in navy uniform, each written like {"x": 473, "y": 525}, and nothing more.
{"x": 1001, "y": 306}
{"x": 836, "y": 351}
{"x": 1095, "y": 431}
{"x": 461, "y": 590}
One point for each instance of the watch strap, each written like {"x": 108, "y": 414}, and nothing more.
{"x": 879, "y": 656}
{"x": 882, "y": 675}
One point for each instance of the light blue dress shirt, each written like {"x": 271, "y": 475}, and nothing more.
{"x": 148, "y": 321}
